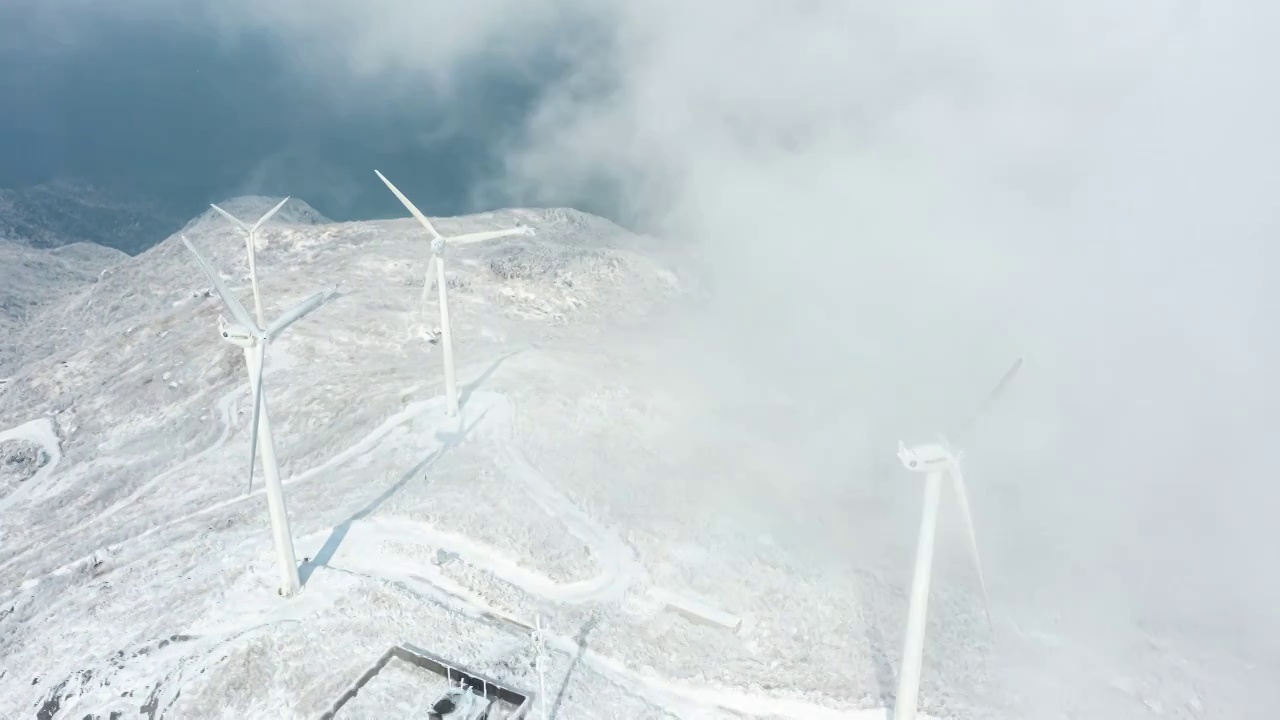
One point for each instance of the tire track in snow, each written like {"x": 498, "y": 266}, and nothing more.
{"x": 618, "y": 564}
{"x": 368, "y": 443}
{"x": 224, "y": 406}
{"x": 483, "y": 557}
{"x": 618, "y": 568}
{"x": 615, "y": 559}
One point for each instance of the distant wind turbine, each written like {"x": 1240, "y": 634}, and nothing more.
{"x": 438, "y": 245}
{"x": 253, "y": 339}
{"x": 935, "y": 461}
{"x": 251, "y": 239}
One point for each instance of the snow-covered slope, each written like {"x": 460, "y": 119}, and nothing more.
{"x": 137, "y": 576}
{"x": 32, "y": 279}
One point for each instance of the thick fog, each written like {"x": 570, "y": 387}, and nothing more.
{"x": 896, "y": 203}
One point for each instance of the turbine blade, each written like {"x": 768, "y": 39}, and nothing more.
{"x": 476, "y": 237}
{"x": 228, "y": 298}
{"x": 413, "y": 209}
{"x": 1004, "y": 382}
{"x": 295, "y": 313}
{"x": 992, "y": 396}
{"x": 256, "y": 382}
{"x": 230, "y": 217}
{"x": 963, "y": 497}
{"x": 267, "y": 217}
{"x": 253, "y": 277}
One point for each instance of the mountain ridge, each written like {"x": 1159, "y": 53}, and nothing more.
{"x": 65, "y": 212}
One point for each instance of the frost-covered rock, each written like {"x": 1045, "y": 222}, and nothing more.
{"x": 20, "y": 460}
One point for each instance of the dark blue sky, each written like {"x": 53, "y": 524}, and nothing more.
{"x": 188, "y": 118}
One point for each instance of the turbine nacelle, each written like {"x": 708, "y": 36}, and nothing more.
{"x": 927, "y": 458}
{"x": 236, "y": 335}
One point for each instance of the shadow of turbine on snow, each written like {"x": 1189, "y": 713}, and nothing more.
{"x": 450, "y": 439}
{"x": 339, "y": 532}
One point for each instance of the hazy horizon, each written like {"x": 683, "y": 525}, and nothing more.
{"x": 174, "y": 111}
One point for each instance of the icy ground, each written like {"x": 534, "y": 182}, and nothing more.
{"x": 32, "y": 279}
{"x": 137, "y": 576}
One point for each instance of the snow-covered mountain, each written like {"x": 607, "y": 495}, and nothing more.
{"x": 587, "y": 469}
{"x": 251, "y": 207}
{"x": 66, "y": 212}
{"x": 33, "y": 279}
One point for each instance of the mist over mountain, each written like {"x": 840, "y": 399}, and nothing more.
{"x": 164, "y": 120}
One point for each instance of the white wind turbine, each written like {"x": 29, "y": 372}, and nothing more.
{"x": 935, "y": 461}
{"x": 251, "y": 239}
{"x": 438, "y": 243}
{"x": 253, "y": 339}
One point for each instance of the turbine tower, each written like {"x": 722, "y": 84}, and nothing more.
{"x": 253, "y": 338}
{"x": 935, "y": 461}
{"x": 438, "y": 246}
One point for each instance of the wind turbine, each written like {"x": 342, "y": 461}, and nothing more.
{"x": 251, "y": 239}
{"x": 935, "y": 461}
{"x": 438, "y": 243}
{"x": 253, "y": 339}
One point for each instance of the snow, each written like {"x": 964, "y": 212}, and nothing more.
{"x": 136, "y": 574}
{"x": 695, "y": 608}
{"x": 398, "y": 690}
{"x": 41, "y": 433}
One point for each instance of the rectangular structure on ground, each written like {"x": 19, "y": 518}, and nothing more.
{"x": 487, "y": 698}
